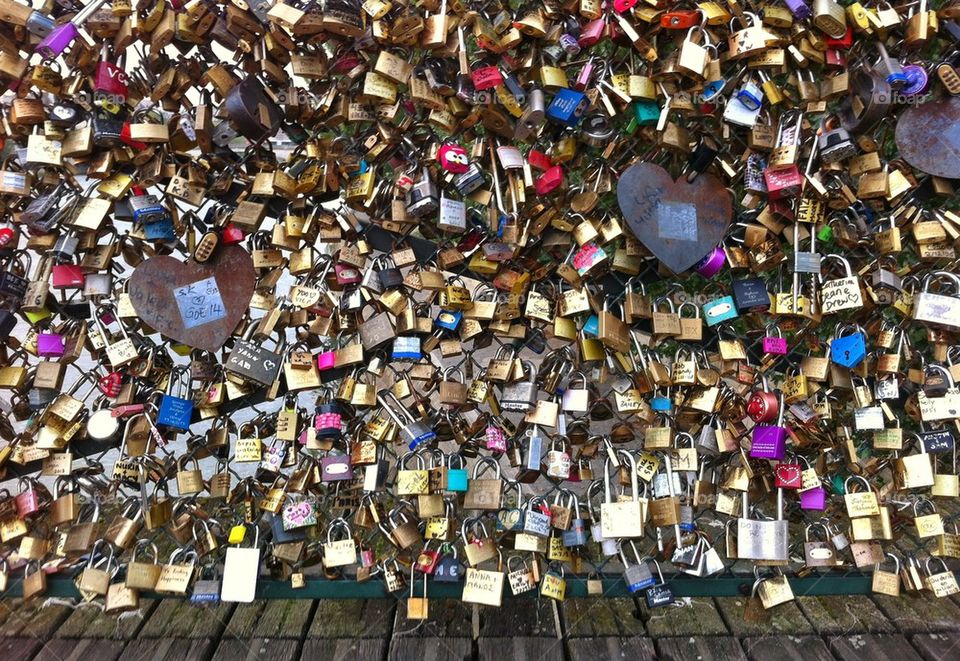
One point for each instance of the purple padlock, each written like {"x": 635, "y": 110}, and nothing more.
{"x": 813, "y": 499}
{"x": 798, "y": 8}
{"x": 50, "y": 345}
{"x": 770, "y": 441}
{"x": 336, "y": 468}
{"x": 53, "y": 45}
{"x": 917, "y": 79}
{"x": 711, "y": 265}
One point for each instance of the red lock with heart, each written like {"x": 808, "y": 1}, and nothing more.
{"x": 110, "y": 384}
{"x": 788, "y": 475}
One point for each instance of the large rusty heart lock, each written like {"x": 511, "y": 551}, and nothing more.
{"x": 928, "y": 137}
{"x": 197, "y": 304}
{"x": 679, "y": 222}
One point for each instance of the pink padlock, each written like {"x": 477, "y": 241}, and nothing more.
{"x": 326, "y": 360}
{"x": 549, "y": 181}
{"x": 49, "y": 345}
{"x": 367, "y": 559}
{"x": 28, "y": 500}
{"x": 496, "y": 439}
{"x": 592, "y": 33}
{"x": 775, "y": 344}
{"x": 346, "y": 274}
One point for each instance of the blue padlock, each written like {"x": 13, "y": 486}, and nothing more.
{"x": 147, "y": 209}
{"x": 162, "y": 230}
{"x": 719, "y": 310}
{"x": 406, "y": 347}
{"x": 176, "y": 409}
{"x": 592, "y": 326}
{"x": 638, "y": 577}
{"x": 448, "y": 569}
{"x": 661, "y": 404}
{"x": 449, "y": 319}
{"x": 568, "y": 107}
{"x": 849, "y": 350}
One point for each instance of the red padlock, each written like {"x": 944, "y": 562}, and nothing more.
{"x": 453, "y": 158}
{"x": 683, "y": 19}
{"x": 67, "y": 276}
{"x": 840, "y": 43}
{"x": 110, "y": 384}
{"x": 111, "y": 80}
{"x": 763, "y": 406}
{"x": 549, "y": 181}
{"x": 6, "y": 236}
{"x": 783, "y": 183}
{"x": 427, "y": 560}
{"x": 486, "y": 78}
{"x": 127, "y": 140}
{"x": 788, "y": 475}
{"x": 539, "y": 160}
{"x": 231, "y": 235}
{"x": 835, "y": 59}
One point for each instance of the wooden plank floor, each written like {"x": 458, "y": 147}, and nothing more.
{"x": 847, "y": 628}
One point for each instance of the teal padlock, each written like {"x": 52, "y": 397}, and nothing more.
{"x": 646, "y": 112}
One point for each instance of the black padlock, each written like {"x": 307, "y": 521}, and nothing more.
{"x": 702, "y": 156}
{"x": 106, "y": 131}
{"x": 751, "y": 295}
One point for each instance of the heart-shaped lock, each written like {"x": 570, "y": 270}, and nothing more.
{"x": 110, "y": 384}
{"x": 925, "y": 143}
{"x": 197, "y": 304}
{"x": 679, "y": 222}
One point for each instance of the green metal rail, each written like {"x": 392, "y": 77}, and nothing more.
{"x": 683, "y": 586}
